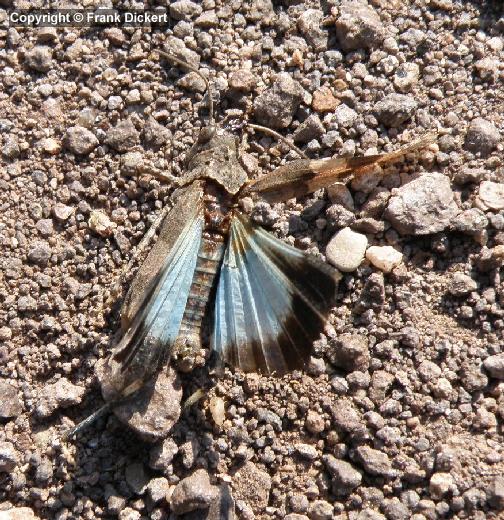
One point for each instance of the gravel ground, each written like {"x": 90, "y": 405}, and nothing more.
{"x": 399, "y": 413}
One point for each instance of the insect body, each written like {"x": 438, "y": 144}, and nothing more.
{"x": 215, "y": 278}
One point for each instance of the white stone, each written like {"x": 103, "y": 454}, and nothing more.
{"x": 492, "y": 194}
{"x": 346, "y": 249}
{"x": 384, "y": 258}
{"x": 440, "y": 484}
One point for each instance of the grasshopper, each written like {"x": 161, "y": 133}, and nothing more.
{"x": 214, "y": 278}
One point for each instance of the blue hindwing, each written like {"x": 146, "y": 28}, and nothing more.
{"x": 272, "y": 301}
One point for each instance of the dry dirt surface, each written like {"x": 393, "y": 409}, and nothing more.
{"x": 399, "y": 413}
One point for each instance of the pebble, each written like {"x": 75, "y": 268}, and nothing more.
{"x": 10, "y": 404}
{"x": 18, "y": 513}
{"x": 395, "y": 109}
{"x": 310, "y": 26}
{"x": 101, "y": 224}
{"x": 152, "y": 411}
{"x": 310, "y": 128}
{"x": 324, "y": 100}
{"x": 375, "y": 462}
{"x": 45, "y": 227}
{"x": 158, "y": 489}
{"x": 306, "y": 451}
{"x": 217, "y": 410}
{"x": 276, "y": 106}
{"x": 359, "y": 26}
{"x": 61, "y": 394}
{"x": 39, "y": 58}
{"x": 321, "y": 510}
{"x": 494, "y": 365}
{"x": 161, "y": 455}
{"x": 80, "y": 140}
{"x": 345, "y": 116}
{"x": 384, "y": 258}
{"x": 242, "y": 80}
{"x": 491, "y": 194}
{"x": 346, "y": 249}
{"x": 155, "y": 135}
{"x": 350, "y": 352}
{"x": 50, "y": 146}
{"x": 428, "y": 371}
{"x": 482, "y": 137}
{"x": 440, "y": 484}
{"x": 123, "y": 136}
{"x": 314, "y": 422}
{"x": 406, "y": 76}
{"x": 252, "y": 485}
{"x": 423, "y": 206}
{"x": 345, "y": 478}
{"x": 495, "y": 493}
{"x": 184, "y": 10}
{"x": 192, "y": 493}
{"x": 461, "y": 284}
{"x": 471, "y": 222}
{"x": 62, "y": 212}
{"x": 8, "y": 457}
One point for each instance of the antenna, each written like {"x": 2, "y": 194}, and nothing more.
{"x": 170, "y": 57}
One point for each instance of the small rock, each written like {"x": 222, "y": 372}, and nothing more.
{"x": 310, "y": 26}
{"x": 122, "y": 137}
{"x": 321, "y": 510}
{"x": 384, "y": 258}
{"x": 114, "y": 35}
{"x": 242, "y": 80}
{"x": 347, "y": 419}
{"x": 310, "y": 128}
{"x": 345, "y": 116}
{"x": 80, "y": 140}
{"x": 406, "y": 76}
{"x": 8, "y": 457}
{"x": 50, "y": 146}
{"x": 306, "y": 451}
{"x": 192, "y": 493}
{"x": 18, "y": 513}
{"x": 101, "y": 224}
{"x": 154, "y": 134}
{"x": 314, "y": 422}
{"x": 395, "y": 109}
{"x": 185, "y": 10}
{"x": 372, "y": 295}
{"x": 39, "y": 58}
{"x": 339, "y": 217}
{"x": 324, "y": 100}
{"x": 358, "y": 26}
{"x": 136, "y": 478}
{"x": 471, "y": 221}
{"x": 61, "y": 394}
{"x": 252, "y": 485}
{"x": 350, "y": 352}
{"x": 45, "y": 227}
{"x": 461, "y": 284}
{"x": 345, "y": 478}
{"x": 40, "y": 253}
{"x": 428, "y": 371}
{"x": 161, "y": 455}
{"x": 153, "y": 410}
{"x": 10, "y": 404}
{"x": 192, "y": 82}
{"x": 482, "y": 137}
{"x": 346, "y": 249}
{"x": 62, "y": 212}
{"x": 495, "y": 493}
{"x": 276, "y": 106}
{"x": 177, "y": 47}
{"x": 423, "y": 206}
{"x": 158, "y": 488}
{"x": 440, "y": 484}
{"x": 374, "y": 461}
{"x": 491, "y": 194}
{"x": 494, "y": 365}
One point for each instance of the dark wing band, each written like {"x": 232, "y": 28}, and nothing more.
{"x": 272, "y": 301}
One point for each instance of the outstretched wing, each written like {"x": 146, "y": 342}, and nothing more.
{"x": 158, "y": 296}
{"x": 272, "y": 301}
{"x": 298, "y": 178}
